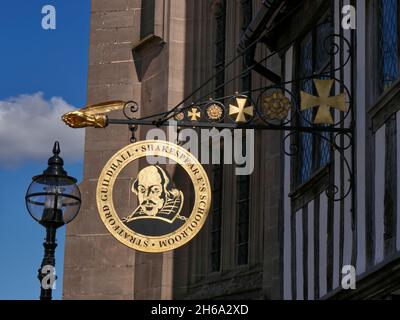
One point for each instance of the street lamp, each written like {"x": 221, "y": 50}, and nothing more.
{"x": 53, "y": 199}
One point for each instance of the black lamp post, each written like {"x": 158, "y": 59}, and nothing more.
{"x": 53, "y": 199}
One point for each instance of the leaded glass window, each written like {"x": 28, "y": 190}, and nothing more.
{"x": 216, "y": 218}
{"x": 243, "y": 182}
{"x": 388, "y": 43}
{"x": 242, "y": 215}
{"x": 217, "y": 169}
{"x": 323, "y": 63}
{"x": 220, "y": 45}
{"x": 313, "y": 58}
{"x": 247, "y": 9}
{"x": 243, "y": 221}
{"x": 306, "y": 139}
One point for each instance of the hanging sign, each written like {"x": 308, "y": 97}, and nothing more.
{"x": 143, "y": 207}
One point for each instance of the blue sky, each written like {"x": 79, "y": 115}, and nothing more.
{"x": 43, "y": 73}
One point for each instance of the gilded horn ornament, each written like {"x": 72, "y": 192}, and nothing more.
{"x": 92, "y": 116}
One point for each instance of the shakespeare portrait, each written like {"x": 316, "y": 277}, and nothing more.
{"x": 160, "y": 204}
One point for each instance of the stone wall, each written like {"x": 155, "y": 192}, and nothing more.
{"x": 158, "y": 72}
{"x": 96, "y": 265}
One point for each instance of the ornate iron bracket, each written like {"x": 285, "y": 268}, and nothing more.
{"x": 275, "y": 108}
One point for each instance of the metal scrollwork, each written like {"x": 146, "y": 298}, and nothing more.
{"x": 334, "y": 190}
{"x": 130, "y": 108}
{"x": 275, "y": 107}
{"x": 292, "y": 147}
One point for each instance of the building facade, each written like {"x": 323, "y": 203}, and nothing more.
{"x": 314, "y": 203}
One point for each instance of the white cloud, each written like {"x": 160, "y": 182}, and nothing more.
{"x": 29, "y": 125}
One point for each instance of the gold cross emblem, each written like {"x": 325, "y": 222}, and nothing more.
{"x": 241, "y": 111}
{"x": 194, "y": 114}
{"x": 324, "y": 101}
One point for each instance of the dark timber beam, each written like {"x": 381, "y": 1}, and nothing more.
{"x": 267, "y": 73}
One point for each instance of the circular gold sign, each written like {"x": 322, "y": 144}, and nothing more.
{"x": 162, "y": 219}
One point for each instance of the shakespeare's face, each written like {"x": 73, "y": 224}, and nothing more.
{"x": 150, "y": 190}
